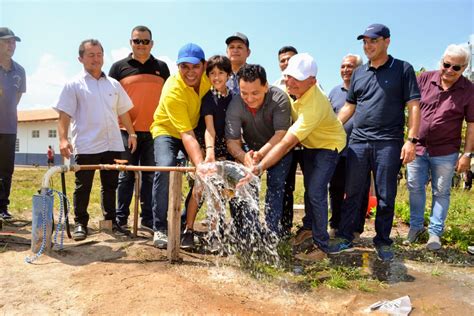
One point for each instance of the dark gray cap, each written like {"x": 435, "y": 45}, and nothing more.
{"x": 6, "y": 33}
{"x": 238, "y": 36}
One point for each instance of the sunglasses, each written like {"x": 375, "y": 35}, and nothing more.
{"x": 455, "y": 67}
{"x": 137, "y": 41}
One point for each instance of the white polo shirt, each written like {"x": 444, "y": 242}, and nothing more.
{"x": 94, "y": 106}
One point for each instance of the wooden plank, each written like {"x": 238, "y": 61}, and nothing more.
{"x": 138, "y": 182}
{"x": 174, "y": 218}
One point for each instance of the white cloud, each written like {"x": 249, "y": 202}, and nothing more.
{"x": 44, "y": 85}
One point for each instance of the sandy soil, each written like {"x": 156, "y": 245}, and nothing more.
{"x": 106, "y": 275}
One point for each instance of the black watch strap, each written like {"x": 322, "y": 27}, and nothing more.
{"x": 413, "y": 140}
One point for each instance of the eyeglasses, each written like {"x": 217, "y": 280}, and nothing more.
{"x": 455, "y": 67}
{"x": 137, "y": 41}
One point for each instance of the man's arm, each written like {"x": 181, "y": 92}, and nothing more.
{"x": 65, "y": 146}
{"x": 277, "y": 152}
{"x": 464, "y": 162}
{"x": 192, "y": 147}
{"x": 263, "y": 151}
{"x": 408, "y": 153}
{"x": 234, "y": 147}
{"x": 132, "y": 137}
{"x": 346, "y": 112}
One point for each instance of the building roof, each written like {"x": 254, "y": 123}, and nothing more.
{"x": 37, "y": 115}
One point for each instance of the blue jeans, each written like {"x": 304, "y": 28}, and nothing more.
{"x": 383, "y": 159}
{"x": 318, "y": 168}
{"x": 143, "y": 156}
{"x": 166, "y": 155}
{"x": 441, "y": 169}
{"x": 276, "y": 177}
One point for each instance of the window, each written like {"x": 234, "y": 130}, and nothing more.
{"x": 52, "y": 133}
{"x": 35, "y": 133}
{"x": 17, "y": 145}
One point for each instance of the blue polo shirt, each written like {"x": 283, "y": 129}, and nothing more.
{"x": 337, "y": 97}
{"x": 380, "y": 95}
{"x": 12, "y": 83}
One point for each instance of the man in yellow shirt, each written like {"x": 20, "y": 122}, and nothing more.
{"x": 322, "y": 135}
{"x": 172, "y": 129}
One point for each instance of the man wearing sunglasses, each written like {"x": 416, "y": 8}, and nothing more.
{"x": 12, "y": 86}
{"x": 143, "y": 77}
{"x": 378, "y": 94}
{"x": 447, "y": 99}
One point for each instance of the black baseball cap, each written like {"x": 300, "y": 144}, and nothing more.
{"x": 6, "y": 33}
{"x": 238, "y": 36}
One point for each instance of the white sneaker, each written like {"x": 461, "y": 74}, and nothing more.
{"x": 160, "y": 240}
{"x": 434, "y": 243}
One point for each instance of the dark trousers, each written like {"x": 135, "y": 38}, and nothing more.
{"x": 7, "y": 162}
{"x": 337, "y": 193}
{"x": 84, "y": 180}
{"x": 383, "y": 159}
{"x": 288, "y": 201}
{"x": 143, "y": 156}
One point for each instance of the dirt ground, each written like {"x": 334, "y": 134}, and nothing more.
{"x": 108, "y": 275}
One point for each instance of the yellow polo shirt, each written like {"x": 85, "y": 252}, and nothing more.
{"x": 315, "y": 123}
{"x": 179, "y": 107}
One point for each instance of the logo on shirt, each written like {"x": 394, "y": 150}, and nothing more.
{"x": 157, "y": 72}
{"x": 17, "y": 81}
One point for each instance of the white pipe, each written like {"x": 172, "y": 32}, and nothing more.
{"x": 52, "y": 171}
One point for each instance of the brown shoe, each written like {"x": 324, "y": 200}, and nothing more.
{"x": 313, "y": 254}
{"x": 301, "y": 236}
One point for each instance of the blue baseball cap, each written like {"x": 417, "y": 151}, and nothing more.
{"x": 375, "y": 31}
{"x": 190, "y": 53}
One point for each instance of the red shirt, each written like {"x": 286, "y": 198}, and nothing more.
{"x": 442, "y": 113}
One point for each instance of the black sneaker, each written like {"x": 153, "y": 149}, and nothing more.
{"x": 80, "y": 232}
{"x": 119, "y": 230}
{"x": 187, "y": 240}
{"x": 384, "y": 253}
{"x": 5, "y": 215}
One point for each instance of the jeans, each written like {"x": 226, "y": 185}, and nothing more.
{"x": 288, "y": 201}
{"x": 276, "y": 177}
{"x": 383, "y": 159}
{"x": 318, "y": 168}
{"x": 7, "y": 162}
{"x": 336, "y": 197}
{"x": 143, "y": 156}
{"x": 84, "y": 180}
{"x": 166, "y": 155}
{"x": 441, "y": 169}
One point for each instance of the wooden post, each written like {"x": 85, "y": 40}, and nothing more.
{"x": 174, "y": 218}
{"x": 137, "y": 202}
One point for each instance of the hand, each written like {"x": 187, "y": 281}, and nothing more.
{"x": 257, "y": 157}
{"x": 248, "y": 177}
{"x": 463, "y": 164}
{"x": 204, "y": 170}
{"x": 65, "y": 148}
{"x": 248, "y": 159}
{"x": 210, "y": 158}
{"x": 408, "y": 153}
{"x": 132, "y": 144}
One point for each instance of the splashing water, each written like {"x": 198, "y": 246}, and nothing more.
{"x": 246, "y": 235}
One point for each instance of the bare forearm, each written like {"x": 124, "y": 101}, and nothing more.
{"x": 469, "y": 138}
{"x": 278, "y": 151}
{"x": 127, "y": 122}
{"x": 192, "y": 147}
{"x": 63, "y": 125}
{"x": 276, "y": 138}
{"x": 346, "y": 112}
{"x": 413, "y": 118}
{"x": 234, "y": 147}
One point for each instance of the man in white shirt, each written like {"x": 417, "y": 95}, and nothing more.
{"x": 284, "y": 55}
{"x": 92, "y": 104}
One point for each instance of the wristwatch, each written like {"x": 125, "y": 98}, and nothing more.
{"x": 469, "y": 155}
{"x": 413, "y": 140}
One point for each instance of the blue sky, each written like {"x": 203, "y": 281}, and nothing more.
{"x": 52, "y": 30}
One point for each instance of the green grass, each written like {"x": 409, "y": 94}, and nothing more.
{"x": 458, "y": 235}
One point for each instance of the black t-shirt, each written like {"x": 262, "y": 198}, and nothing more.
{"x": 217, "y": 107}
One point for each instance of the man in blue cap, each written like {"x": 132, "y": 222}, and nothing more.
{"x": 377, "y": 96}
{"x": 12, "y": 86}
{"x": 175, "y": 118}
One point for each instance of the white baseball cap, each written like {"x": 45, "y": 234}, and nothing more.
{"x": 301, "y": 67}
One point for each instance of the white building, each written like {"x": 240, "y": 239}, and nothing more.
{"x": 37, "y": 129}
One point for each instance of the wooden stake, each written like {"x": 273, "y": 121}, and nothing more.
{"x": 174, "y": 218}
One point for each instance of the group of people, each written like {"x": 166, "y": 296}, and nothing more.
{"x": 223, "y": 108}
